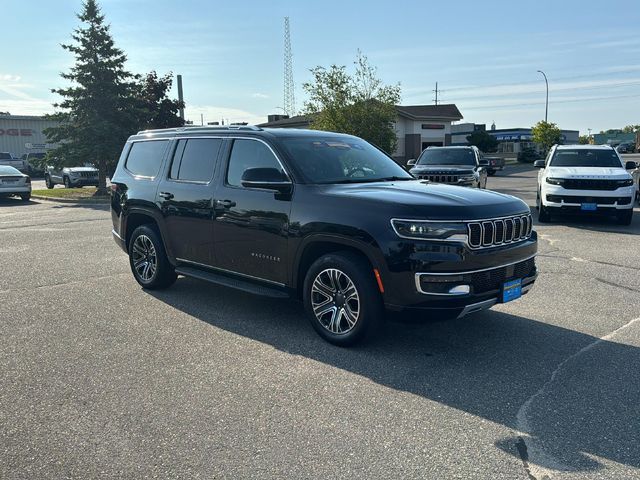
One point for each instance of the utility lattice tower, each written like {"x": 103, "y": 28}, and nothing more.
{"x": 289, "y": 93}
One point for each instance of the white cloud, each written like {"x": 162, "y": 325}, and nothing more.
{"x": 260, "y": 95}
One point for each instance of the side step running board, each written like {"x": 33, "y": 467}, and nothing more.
{"x": 236, "y": 283}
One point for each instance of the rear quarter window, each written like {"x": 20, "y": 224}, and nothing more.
{"x": 145, "y": 158}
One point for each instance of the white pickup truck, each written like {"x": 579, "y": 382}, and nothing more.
{"x": 585, "y": 179}
{"x": 7, "y": 159}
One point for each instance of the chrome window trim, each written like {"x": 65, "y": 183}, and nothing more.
{"x": 229, "y": 271}
{"x": 215, "y": 165}
{"x": 256, "y": 139}
{"x": 132, "y": 143}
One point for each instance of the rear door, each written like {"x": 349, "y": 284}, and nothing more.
{"x": 251, "y": 224}
{"x": 185, "y": 198}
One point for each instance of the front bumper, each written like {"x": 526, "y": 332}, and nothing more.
{"x": 562, "y": 199}
{"x": 83, "y": 182}
{"x": 454, "y": 279}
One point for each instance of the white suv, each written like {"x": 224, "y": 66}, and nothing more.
{"x": 585, "y": 179}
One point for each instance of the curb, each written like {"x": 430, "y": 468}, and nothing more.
{"x": 86, "y": 201}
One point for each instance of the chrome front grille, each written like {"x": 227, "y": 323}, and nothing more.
{"x": 490, "y": 233}
{"x": 440, "y": 178}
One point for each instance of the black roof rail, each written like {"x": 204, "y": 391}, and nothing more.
{"x": 204, "y": 128}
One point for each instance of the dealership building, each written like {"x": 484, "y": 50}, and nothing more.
{"x": 20, "y": 134}
{"x": 510, "y": 140}
{"x": 417, "y": 127}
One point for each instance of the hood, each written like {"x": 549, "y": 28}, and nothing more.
{"x": 420, "y": 199}
{"x": 591, "y": 173}
{"x": 81, "y": 169}
{"x": 442, "y": 169}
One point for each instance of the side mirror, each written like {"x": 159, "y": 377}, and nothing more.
{"x": 539, "y": 164}
{"x": 411, "y": 162}
{"x": 483, "y": 163}
{"x": 630, "y": 166}
{"x": 266, "y": 178}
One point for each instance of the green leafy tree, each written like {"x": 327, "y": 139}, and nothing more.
{"x": 358, "y": 104}
{"x": 631, "y": 129}
{"x": 96, "y": 114}
{"x": 155, "y": 108}
{"x": 484, "y": 141}
{"x": 546, "y": 134}
{"x": 584, "y": 140}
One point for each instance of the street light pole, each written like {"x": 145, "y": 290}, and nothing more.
{"x": 546, "y": 108}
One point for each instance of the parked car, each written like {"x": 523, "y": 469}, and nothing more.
{"x": 493, "y": 164}
{"x": 14, "y": 183}
{"x": 582, "y": 179}
{"x": 33, "y": 162}
{"x": 626, "y": 148}
{"x": 452, "y": 165}
{"x": 9, "y": 160}
{"x": 71, "y": 177}
{"x": 320, "y": 216}
{"x": 528, "y": 155}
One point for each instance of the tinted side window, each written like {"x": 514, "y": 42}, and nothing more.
{"x": 145, "y": 158}
{"x": 195, "y": 159}
{"x": 249, "y": 154}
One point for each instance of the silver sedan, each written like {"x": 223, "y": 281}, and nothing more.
{"x": 13, "y": 182}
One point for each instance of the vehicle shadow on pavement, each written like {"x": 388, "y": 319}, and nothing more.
{"x": 488, "y": 365}
{"x": 14, "y": 202}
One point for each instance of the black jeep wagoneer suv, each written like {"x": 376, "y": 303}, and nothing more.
{"x": 324, "y": 217}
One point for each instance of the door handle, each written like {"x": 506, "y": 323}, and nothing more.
{"x": 225, "y": 203}
{"x": 166, "y": 195}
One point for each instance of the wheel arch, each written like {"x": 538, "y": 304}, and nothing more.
{"x": 137, "y": 216}
{"x": 316, "y": 246}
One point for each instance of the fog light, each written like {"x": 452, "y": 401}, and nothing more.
{"x": 460, "y": 290}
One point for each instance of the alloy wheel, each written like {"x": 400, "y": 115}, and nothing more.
{"x": 335, "y": 301}
{"x": 144, "y": 257}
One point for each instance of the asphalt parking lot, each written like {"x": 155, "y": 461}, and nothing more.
{"x": 99, "y": 378}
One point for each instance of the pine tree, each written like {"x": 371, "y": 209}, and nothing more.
{"x": 96, "y": 114}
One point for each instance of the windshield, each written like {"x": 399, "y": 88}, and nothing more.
{"x": 35, "y": 155}
{"x": 447, "y": 156}
{"x": 585, "y": 158}
{"x": 5, "y": 156}
{"x": 341, "y": 160}
{"x": 6, "y": 170}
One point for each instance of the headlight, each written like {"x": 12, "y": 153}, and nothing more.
{"x": 554, "y": 181}
{"x": 420, "y": 229}
{"x": 467, "y": 178}
{"x": 625, "y": 183}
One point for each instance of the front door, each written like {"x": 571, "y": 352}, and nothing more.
{"x": 185, "y": 197}
{"x": 251, "y": 225}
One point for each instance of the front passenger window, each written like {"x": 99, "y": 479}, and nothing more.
{"x": 247, "y": 153}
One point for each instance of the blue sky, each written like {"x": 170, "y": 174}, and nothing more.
{"x": 483, "y": 55}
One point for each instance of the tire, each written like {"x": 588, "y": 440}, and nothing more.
{"x": 25, "y": 197}
{"x": 625, "y": 217}
{"x": 67, "y": 182}
{"x": 48, "y": 182}
{"x": 491, "y": 173}
{"x": 358, "y": 316}
{"x": 543, "y": 213}
{"x": 146, "y": 250}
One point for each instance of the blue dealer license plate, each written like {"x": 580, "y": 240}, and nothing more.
{"x": 589, "y": 207}
{"x": 512, "y": 290}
